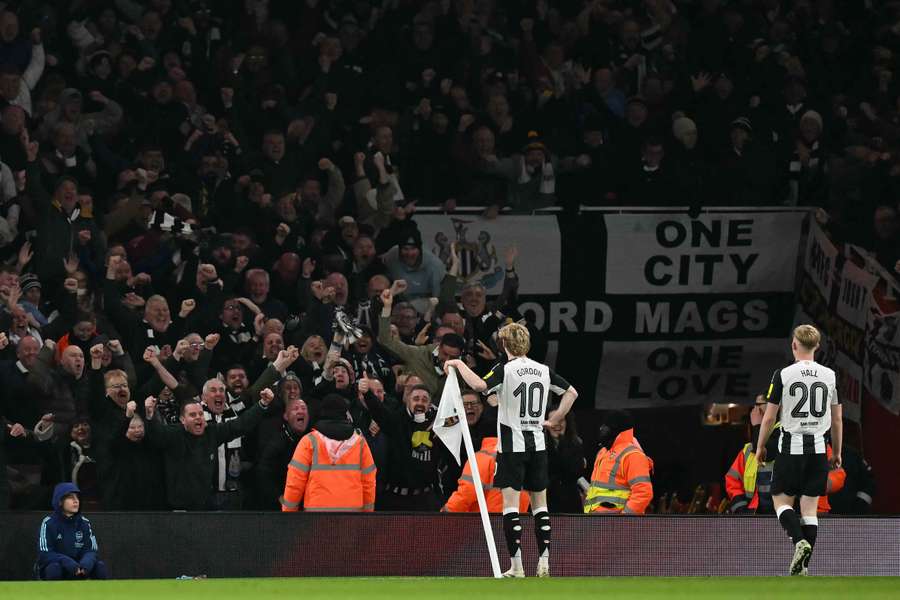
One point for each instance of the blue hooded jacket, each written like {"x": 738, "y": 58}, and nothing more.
{"x": 66, "y": 540}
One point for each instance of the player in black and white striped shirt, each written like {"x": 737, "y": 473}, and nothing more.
{"x": 805, "y": 396}
{"x": 523, "y": 389}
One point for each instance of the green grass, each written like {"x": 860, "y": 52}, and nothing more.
{"x": 371, "y": 587}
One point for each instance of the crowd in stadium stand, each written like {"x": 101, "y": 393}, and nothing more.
{"x": 201, "y": 201}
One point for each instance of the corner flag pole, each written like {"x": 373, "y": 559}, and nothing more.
{"x": 476, "y": 478}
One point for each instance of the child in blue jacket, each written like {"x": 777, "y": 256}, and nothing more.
{"x": 67, "y": 548}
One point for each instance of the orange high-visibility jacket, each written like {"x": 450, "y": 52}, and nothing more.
{"x": 736, "y": 485}
{"x": 327, "y": 475}
{"x": 464, "y": 498}
{"x": 620, "y": 482}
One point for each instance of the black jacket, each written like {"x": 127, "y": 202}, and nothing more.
{"x": 566, "y": 464}
{"x": 132, "y": 477}
{"x": 190, "y": 460}
{"x": 271, "y": 469}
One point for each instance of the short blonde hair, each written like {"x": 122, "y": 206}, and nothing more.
{"x": 516, "y": 339}
{"x": 807, "y": 336}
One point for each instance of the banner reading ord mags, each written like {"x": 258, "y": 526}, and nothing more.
{"x": 650, "y": 309}
{"x": 855, "y": 302}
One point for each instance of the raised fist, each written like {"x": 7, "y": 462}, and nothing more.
{"x": 266, "y": 396}
{"x": 186, "y": 307}
{"x": 399, "y": 286}
{"x": 115, "y": 346}
{"x": 150, "y": 354}
{"x": 211, "y": 340}
{"x": 208, "y": 272}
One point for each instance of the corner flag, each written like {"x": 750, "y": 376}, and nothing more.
{"x": 451, "y": 427}
{"x": 446, "y": 424}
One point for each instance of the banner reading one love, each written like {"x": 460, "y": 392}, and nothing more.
{"x": 706, "y": 299}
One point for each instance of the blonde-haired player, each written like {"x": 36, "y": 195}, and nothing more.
{"x": 804, "y": 393}
{"x": 523, "y": 388}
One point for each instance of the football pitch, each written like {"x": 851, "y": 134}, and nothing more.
{"x": 454, "y": 587}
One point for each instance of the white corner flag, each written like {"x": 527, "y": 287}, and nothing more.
{"x": 451, "y": 427}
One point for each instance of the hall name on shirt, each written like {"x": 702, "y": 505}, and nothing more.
{"x": 808, "y": 373}
{"x": 528, "y": 371}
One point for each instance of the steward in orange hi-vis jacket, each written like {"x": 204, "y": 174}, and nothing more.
{"x": 332, "y": 468}
{"x": 620, "y": 482}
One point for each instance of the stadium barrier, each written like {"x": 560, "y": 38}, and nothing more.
{"x": 166, "y": 545}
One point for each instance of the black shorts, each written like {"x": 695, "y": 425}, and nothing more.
{"x": 522, "y": 470}
{"x": 800, "y": 475}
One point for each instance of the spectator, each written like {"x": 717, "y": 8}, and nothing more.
{"x": 405, "y": 319}
{"x": 133, "y": 477}
{"x": 258, "y": 291}
{"x": 411, "y": 483}
{"x": 565, "y": 456}
{"x": 366, "y": 357}
{"x": 18, "y": 404}
{"x": 426, "y": 362}
{"x": 76, "y": 458}
{"x": 482, "y": 319}
{"x": 690, "y": 170}
{"x": 64, "y": 225}
{"x": 67, "y": 546}
{"x": 650, "y": 183}
{"x": 532, "y": 175}
{"x": 190, "y": 450}
{"x": 234, "y": 458}
{"x": 747, "y": 175}
{"x": 419, "y": 268}
{"x": 275, "y": 455}
{"x": 61, "y": 390}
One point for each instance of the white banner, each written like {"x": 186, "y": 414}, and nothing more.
{"x": 819, "y": 260}
{"x": 751, "y": 252}
{"x": 670, "y": 373}
{"x": 483, "y": 244}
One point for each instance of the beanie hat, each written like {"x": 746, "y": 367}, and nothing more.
{"x": 814, "y": 116}
{"x": 333, "y": 408}
{"x": 742, "y": 123}
{"x": 343, "y": 362}
{"x": 618, "y": 421}
{"x": 291, "y": 376}
{"x": 28, "y": 281}
{"x": 413, "y": 238}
